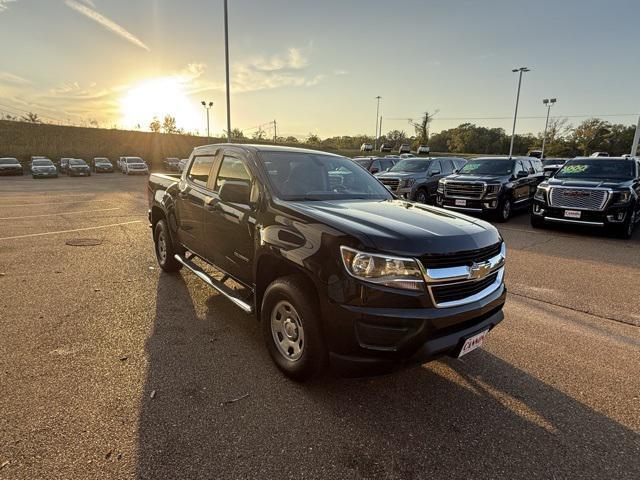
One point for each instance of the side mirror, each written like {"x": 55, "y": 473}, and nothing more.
{"x": 233, "y": 191}
{"x": 435, "y": 172}
{"x": 522, "y": 174}
{"x": 548, "y": 173}
{"x": 374, "y": 170}
{"x": 455, "y": 170}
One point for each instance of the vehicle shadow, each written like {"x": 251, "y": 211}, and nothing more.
{"x": 222, "y": 410}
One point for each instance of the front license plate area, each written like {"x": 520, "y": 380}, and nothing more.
{"x": 471, "y": 343}
{"x": 572, "y": 213}
{"x": 461, "y": 203}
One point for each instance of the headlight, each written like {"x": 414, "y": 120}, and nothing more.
{"x": 394, "y": 272}
{"x": 623, "y": 197}
{"x": 540, "y": 194}
{"x": 407, "y": 182}
{"x": 492, "y": 190}
{"x": 441, "y": 186}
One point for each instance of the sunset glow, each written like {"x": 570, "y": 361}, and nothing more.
{"x": 156, "y": 98}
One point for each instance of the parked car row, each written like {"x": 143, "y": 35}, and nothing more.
{"x": 387, "y": 147}
{"x": 591, "y": 191}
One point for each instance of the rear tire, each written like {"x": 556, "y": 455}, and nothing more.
{"x": 291, "y": 328}
{"x": 164, "y": 248}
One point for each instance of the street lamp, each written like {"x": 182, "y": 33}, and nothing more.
{"x": 515, "y": 115}
{"x": 548, "y": 102}
{"x": 207, "y": 107}
{"x": 226, "y": 62}
{"x": 375, "y": 143}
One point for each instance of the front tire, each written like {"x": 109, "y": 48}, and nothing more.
{"x": 164, "y": 248}
{"x": 626, "y": 230}
{"x": 291, "y": 328}
{"x": 504, "y": 211}
{"x": 421, "y": 196}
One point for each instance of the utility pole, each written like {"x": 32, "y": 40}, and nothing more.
{"x": 515, "y": 115}
{"x": 380, "y": 131}
{"x": 548, "y": 102}
{"x": 275, "y": 131}
{"x": 375, "y": 142}
{"x": 636, "y": 138}
{"x": 226, "y": 59}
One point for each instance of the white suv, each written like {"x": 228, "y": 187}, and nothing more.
{"x": 366, "y": 147}
{"x": 131, "y": 165}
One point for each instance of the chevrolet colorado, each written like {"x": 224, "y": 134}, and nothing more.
{"x": 336, "y": 268}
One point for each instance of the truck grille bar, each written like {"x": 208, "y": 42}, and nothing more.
{"x": 472, "y": 190}
{"x": 579, "y": 198}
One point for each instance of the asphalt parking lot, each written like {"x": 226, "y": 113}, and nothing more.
{"x": 111, "y": 369}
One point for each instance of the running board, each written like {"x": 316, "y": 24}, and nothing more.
{"x": 215, "y": 284}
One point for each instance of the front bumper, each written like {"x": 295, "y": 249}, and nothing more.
{"x": 363, "y": 338}
{"x": 12, "y": 171}
{"x": 483, "y": 205}
{"x": 79, "y": 173}
{"x": 611, "y": 216}
{"x": 138, "y": 172}
{"x": 44, "y": 174}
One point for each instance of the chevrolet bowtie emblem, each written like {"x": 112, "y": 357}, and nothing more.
{"x": 479, "y": 270}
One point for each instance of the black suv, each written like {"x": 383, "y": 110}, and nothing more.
{"x": 492, "y": 185}
{"x": 599, "y": 192}
{"x": 417, "y": 178}
{"x": 334, "y": 267}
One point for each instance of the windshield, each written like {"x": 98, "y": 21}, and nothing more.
{"x": 76, "y": 162}
{"x": 487, "y": 167}
{"x": 597, "y": 169}
{"x": 102, "y": 160}
{"x": 411, "y": 165}
{"x": 310, "y": 176}
{"x": 363, "y": 162}
{"x": 42, "y": 163}
{"x": 8, "y": 161}
{"x": 134, "y": 160}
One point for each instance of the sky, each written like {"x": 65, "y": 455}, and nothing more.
{"x": 316, "y": 66}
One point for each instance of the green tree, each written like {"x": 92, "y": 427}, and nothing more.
{"x": 396, "y": 137}
{"x": 590, "y": 135}
{"x": 422, "y": 128}
{"x": 313, "y": 139}
{"x": 155, "y": 125}
{"x": 237, "y": 135}
{"x": 259, "y": 134}
{"x": 169, "y": 124}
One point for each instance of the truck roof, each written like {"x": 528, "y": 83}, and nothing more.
{"x": 262, "y": 148}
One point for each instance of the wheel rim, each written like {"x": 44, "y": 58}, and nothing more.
{"x": 421, "y": 197}
{"x": 632, "y": 222}
{"x": 287, "y": 331}
{"x": 162, "y": 247}
{"x": 506, "y": 210}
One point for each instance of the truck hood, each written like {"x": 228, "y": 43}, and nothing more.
{"x": 586, "y": 183}
{"x": 402, "y": 228}
{"x": 477, "y": 178}
{"x": 400, "y": 174}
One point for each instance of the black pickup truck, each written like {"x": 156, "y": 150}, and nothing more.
{"x": 337, "y": 269}
{"x": 597, "y": 192}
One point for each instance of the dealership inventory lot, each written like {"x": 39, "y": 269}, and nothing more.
{"x": 112, "y": 369}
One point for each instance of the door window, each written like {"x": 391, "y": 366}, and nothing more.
{"x": 200, "y": 170}
{"x": 447, "y": 167}
{"x": 231, "y": 168}
{"x": 435, "y": 168}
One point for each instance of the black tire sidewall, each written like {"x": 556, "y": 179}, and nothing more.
{"x": 423, "y": 192}
{"x": 170, "y": 264}
{"x": 294, "y": 289}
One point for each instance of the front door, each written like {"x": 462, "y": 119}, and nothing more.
{"x": 230, "y": 227}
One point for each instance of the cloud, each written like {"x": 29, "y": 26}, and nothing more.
{"x": 86, "y": 10}
{"x": 4, "y": 4}
{"x": 10, "y": 78}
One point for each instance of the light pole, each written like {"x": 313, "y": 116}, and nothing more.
{"x": 548, "y": 102}
{"x": 375, "y": 142}
{"x": 226, "y": 59}
{"x": 207, "y": 107}
{"x": 515, "y": 115}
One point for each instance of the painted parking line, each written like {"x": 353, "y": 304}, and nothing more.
{"x": 52, "y": 203}
{"x": 60, "y": 214}
{"x": 70, "y": 231}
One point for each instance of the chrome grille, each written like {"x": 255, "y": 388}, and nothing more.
{"x": 578, "y": 198}
{"x": 466, "y": 190}
{"x": 391, "y": 183}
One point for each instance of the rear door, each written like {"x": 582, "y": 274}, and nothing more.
{"x": 190, "y": 204}
{"x": 521, "y": 186}
{"x": 433, "y": 176}
{"x": 230, "y": 227}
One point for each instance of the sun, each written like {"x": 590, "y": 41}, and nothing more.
{"x": 158, "y": 97}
